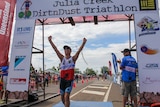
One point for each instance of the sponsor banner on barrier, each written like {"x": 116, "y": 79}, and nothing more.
{"x": 148, "y": 52}
{"x": 19, "y": 70}
{"x": 7, "y": 8}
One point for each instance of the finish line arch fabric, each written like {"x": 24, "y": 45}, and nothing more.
{"x": 28, "y": 11}
{"x": 38, "y": 9}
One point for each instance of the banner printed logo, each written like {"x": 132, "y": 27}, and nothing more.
{"x": 18, "y": 81}
{"x": 23, "y": 30}
{"x": 149, "y": 80}
{"x": 147, "y": 4}
{"x": 25, "y": 11}
{"x": 148, "y": 51}
{"x": 18, "y": 60}
{"x": 21, "y": 44}
{"x": 148, "y": 26}
{"x": 151, "y": 66}
{"x": 4, "y": 16}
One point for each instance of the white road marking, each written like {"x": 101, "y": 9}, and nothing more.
{"x": 107, "y": 94}
{"x": 78, "y": 92}
{"x": 93, "y": 92}
{"x": 97, "y": 87}
{"x": 102, "y": 86}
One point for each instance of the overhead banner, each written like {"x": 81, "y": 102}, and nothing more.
{"x": 148, "y": 51}
{"x": 37, "y": 9}
{"x": 19, "y": 69}
{"x": 7, "y": 8}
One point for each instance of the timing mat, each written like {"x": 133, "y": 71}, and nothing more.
{"x": 86, "y": 104}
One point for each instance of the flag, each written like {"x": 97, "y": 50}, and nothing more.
{"x": 110, "y": 68}
{"x": 6, "y": 21}
{"x": 114, "y": 59}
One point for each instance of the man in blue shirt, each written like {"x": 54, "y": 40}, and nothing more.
{"x": 129, "y": 68}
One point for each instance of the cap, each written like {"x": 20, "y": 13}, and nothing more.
{"x": 66, "y": 47}
{"x": 125, "y": 50}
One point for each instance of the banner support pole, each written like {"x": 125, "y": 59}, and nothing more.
{"x": 42, "y": 22}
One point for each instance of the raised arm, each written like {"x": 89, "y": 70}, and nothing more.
{"x": 22, "y": 5}
{"x": 55, "y": 48}
{"x": 75, "y": 57}
{"x": 119, "y": 62}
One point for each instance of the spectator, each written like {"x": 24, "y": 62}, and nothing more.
{"x": 129, "y": 68}
{"x": 76, "y": 78}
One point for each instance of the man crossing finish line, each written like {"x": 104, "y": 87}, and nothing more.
{"x": 66, "y": 69}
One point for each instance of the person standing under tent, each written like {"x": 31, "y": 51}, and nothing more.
{"x": 56, "y": 78}
{"x": 76, "y": 78}
{"x": 66, "y": 70}
{"x": 46, "y": 79}
{"x": 129, "y": 67}
{"x": 1, "y": 86}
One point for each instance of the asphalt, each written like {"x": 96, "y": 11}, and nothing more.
{"x": 52, "y": 96}
{"x": 115, "y": 95}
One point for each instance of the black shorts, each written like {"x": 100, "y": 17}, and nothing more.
{"x": 65, "y": 86}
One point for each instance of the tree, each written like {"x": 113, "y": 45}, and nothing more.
{"x": 76, "y": 70}
{"x": 54, "y": 68}
{"x": 40, "y": 70}
{"x": 90, "y": 71}
{"x": 105, "y": 70}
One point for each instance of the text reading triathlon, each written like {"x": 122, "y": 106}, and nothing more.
{"x": 74, "y": 8}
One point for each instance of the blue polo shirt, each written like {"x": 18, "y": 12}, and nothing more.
{"x": 129, "y": 72}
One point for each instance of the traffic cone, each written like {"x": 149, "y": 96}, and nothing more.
{"x": 74, "y": 85}
{"x": 82, "y": 81}
{"x": 86, "y": 80}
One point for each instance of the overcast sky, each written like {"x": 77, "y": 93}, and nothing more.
{"x": 102, "y": 40}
